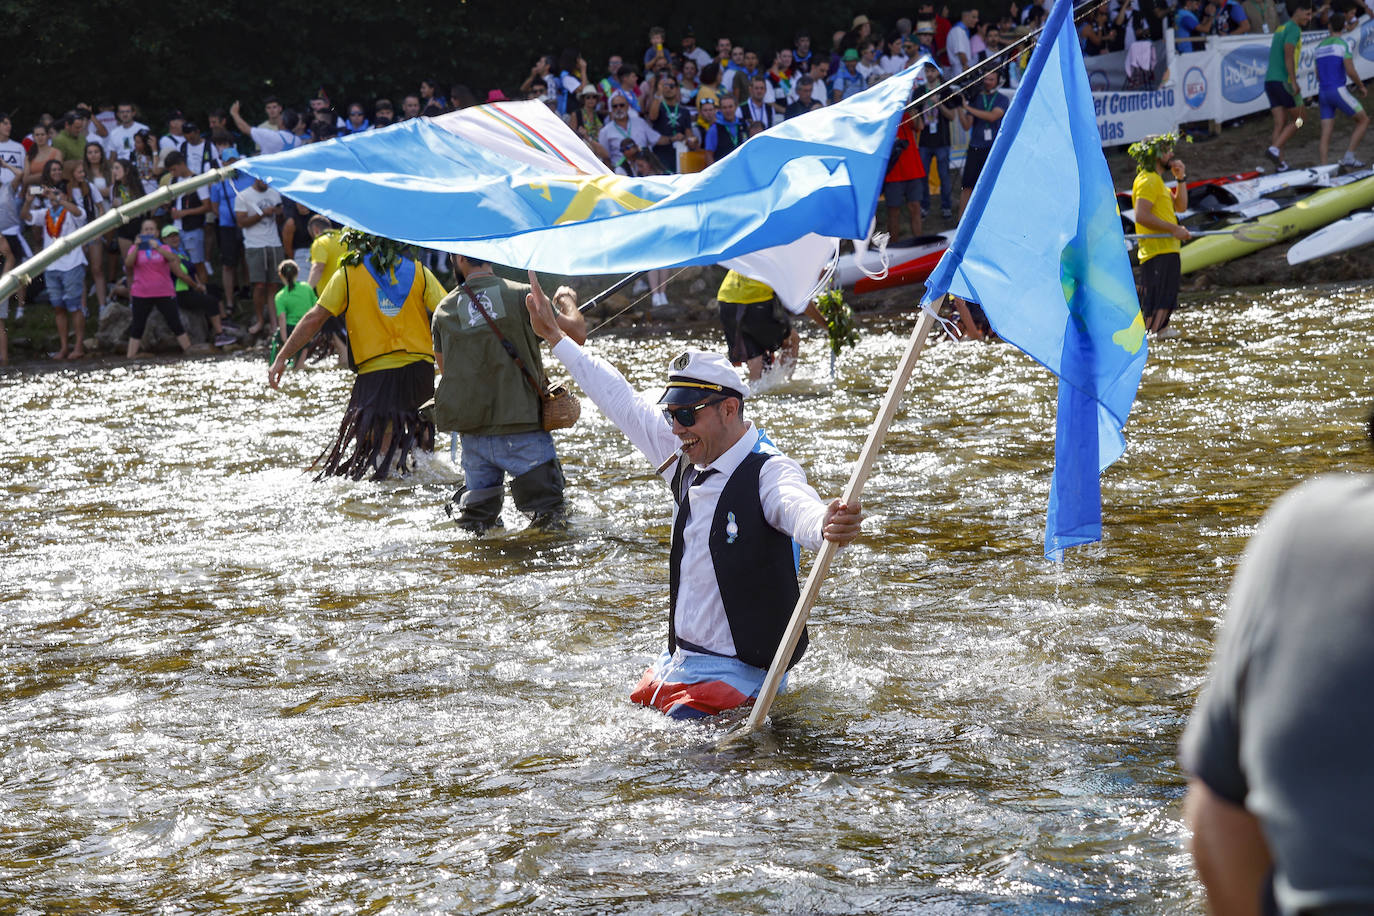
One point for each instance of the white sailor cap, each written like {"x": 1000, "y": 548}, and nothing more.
{"x": 695, "y": 374}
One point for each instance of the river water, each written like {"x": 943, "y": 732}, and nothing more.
{"x": 226, "y": 688}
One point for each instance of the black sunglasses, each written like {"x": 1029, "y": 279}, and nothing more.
{"x": 687, "y": 416}
{"x": 621, "y": 105}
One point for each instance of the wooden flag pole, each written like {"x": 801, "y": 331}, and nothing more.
{"x": 821, "y": 566}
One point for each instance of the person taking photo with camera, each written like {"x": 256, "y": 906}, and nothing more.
{"x": 54, "y": 210}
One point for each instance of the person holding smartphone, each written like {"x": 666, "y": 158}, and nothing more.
{"x": 151, "y": 265}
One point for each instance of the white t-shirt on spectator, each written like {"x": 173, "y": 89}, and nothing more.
{"x": 263, "y": 233}
{"x": 274, "y": 141}
{"x": 104, "y": 117}
{"x": 120, "y": 143}
{"x": 11, "y": 151}
{"x": 892, "y": 64}
{"x": 699, "y": 55}
{"x": 203, "y": 194}
{"x": 197, "y": 155}
{"x": 727, "y": 81}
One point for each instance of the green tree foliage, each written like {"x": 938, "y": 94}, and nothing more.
{"x": 197, "y": 55}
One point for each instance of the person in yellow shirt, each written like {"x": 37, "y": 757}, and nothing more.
{"x": 1156, "y": 212}
{"x": 385, "y": 299}
{"x": 756, "y": 325}
{"x": 326, "y": 251}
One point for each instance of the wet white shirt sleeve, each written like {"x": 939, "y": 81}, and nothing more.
{"x": 790, "y": 504}
{"x": 640, "y": 421}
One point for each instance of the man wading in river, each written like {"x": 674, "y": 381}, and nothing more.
{"x": 385, "y": 300}
{"x": 740, "y": 504}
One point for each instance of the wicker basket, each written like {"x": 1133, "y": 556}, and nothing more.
{"x": 559, "y": 407}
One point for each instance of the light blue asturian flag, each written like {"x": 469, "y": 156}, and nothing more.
{"x": 1040, "y": 247}
{"x": 437, "y": 186}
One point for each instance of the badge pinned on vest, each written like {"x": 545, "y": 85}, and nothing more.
{"x": 731, "y": 528}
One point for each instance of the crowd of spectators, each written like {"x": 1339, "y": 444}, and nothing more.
{"x": 675, "y": 107}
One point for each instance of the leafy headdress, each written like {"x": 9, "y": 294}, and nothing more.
{"x": 1146, "y": 152}
{"x": 385, "y": 254}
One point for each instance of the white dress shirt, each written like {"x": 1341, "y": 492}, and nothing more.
{"x": 789, "y": 503}
{"x": 761, "y": 112}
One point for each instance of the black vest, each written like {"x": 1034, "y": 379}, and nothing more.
{"x": 755, "y": 567}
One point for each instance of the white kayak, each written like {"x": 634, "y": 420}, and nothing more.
{"x": 1237, "y": 212}
{"x": 1342, "y": 235}
{"x": 1255, "y": 188}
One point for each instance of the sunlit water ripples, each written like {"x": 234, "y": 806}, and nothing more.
{"x": 227, "y": 688}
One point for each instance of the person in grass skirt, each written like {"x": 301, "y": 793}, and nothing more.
{"x": 385, "y": 299}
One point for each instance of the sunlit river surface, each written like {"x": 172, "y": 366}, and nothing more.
{"x": 225, "y": 688}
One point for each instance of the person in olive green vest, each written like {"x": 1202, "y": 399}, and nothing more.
{"x": 486, "y": 397}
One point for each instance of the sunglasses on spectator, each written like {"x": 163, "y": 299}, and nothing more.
{"x": 687, "y": 416}
{"x": 620, "y": 105}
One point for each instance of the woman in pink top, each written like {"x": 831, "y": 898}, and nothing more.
{"x": 150, "y": 265}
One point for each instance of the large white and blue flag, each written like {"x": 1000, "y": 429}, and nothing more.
{"x": 504, "y": 184}
{"x": 1040, "y": 248}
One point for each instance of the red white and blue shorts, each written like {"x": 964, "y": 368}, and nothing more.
{"x": 689, "y": 685}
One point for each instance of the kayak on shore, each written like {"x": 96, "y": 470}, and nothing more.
{"x": 909, "y": 261}
{"x": 1237, "y": 198}
{"x": 1346, "y": 194}
{"x": 1355, "y": 230}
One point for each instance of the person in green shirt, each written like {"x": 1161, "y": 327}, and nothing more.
{"x": 190, "y": 291}
{"x": 1281, "y": 79}
{"x": 294, "y": 298}
{"x": 70, "y": 136}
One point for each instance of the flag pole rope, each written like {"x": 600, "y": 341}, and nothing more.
{"x": 960, "y": 81}
{"x": 632, "y": 304}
